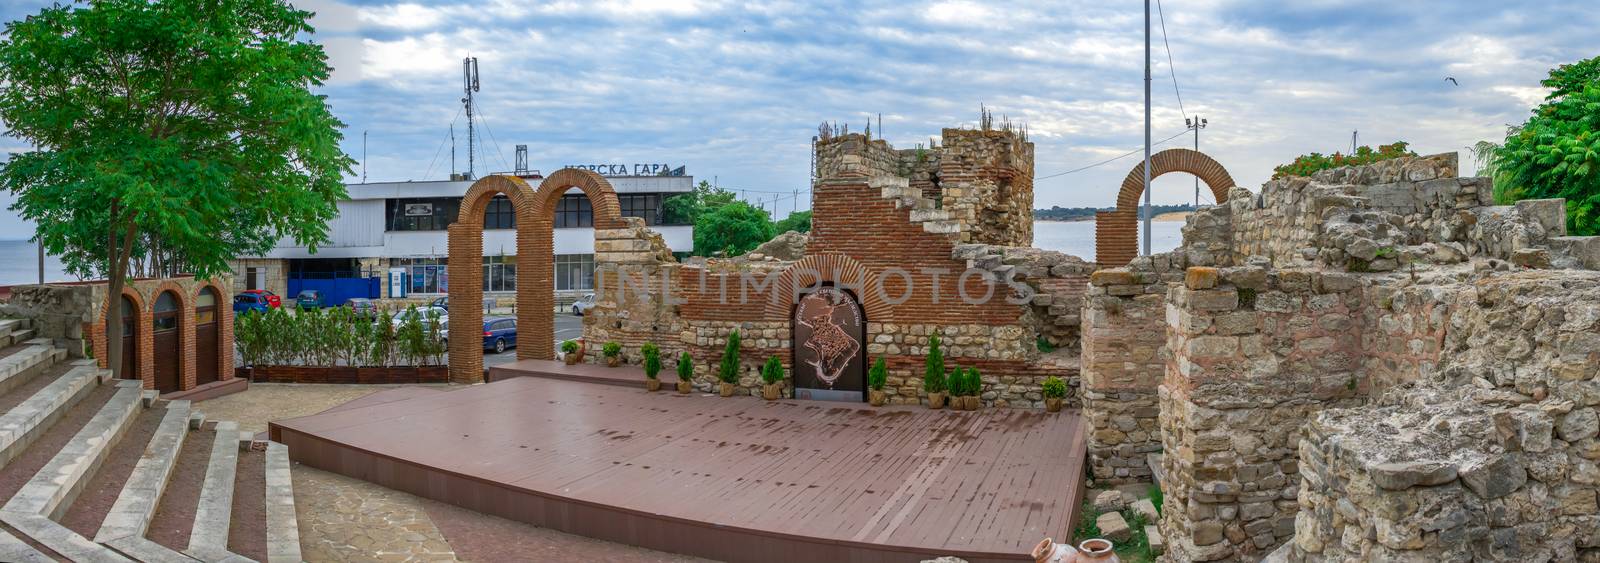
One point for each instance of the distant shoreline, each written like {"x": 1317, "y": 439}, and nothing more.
{"x": 1173, "y": 216}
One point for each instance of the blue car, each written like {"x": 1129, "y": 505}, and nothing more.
{"x": 499, "y": 333}
{"x": 250, "y": 303}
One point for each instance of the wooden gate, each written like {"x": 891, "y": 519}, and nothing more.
{"x": 206, "y": 352}
{"x": 829, "y": 347}
{"x": 164, "y": 323}
{"x": 130, "y": 339}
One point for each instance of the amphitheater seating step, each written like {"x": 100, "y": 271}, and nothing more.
{"x": 283, "y": 531}
{"x": 51, "y": 490}
{"x": 26, "y": 361}
{"x": 246, "y": 534}
{"x": 25, "y": 417}
{"x": 213, "y": 513}
{"x": 124, "y": 526}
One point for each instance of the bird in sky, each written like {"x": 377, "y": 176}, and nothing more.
{"x": 1452, "y": 80}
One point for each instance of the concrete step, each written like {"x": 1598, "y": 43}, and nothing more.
{"x": 46, "y": 496}
{"x": 942, "y": 227}
{"x": 28, "y": 360}
{"x": 283, "y": 529}
{"x": 22, "y": 423}
{"x": 10, "y": 327}
{"x": 208, "y": 538}
{"x": 125, "y": 524}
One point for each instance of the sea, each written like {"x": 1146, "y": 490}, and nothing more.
{"x": 19, "y": 259}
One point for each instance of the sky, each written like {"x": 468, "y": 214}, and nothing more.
{"x": 734, "y": 90}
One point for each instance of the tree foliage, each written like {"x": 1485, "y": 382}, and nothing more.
{"x": 733, "y": 228}
{"x": 685, "y": 208}
{"x": 799, "y": 221}
{"x": 933, "y": 378}
{"x": 728, "y": 370}
{"x": 1308, "y": 164}
{"x": 1556, "y": 153}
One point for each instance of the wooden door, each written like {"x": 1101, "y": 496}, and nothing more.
{"x": 206, "y": 328}
{"x": 164, "y": 323}
{"x": 130, "y": 338}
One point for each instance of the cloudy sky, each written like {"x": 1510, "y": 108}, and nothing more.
{"x": 735, "y": 90}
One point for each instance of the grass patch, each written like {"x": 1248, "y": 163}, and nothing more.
{"x": 1045, "y": 347}
{"x": 1135, "y": 549}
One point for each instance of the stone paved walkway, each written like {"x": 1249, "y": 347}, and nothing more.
{"x": 344, "y": 519}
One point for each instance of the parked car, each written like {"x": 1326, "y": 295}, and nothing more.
{"x": 583, "y": 304}
{"x": 422, "y": 316}
{"x": 273, "y": 300}
{"x": 444, "y": 303}
{"x": 250, "y": 303}
{"x": 308, "y": 299}
{"x": 362, "y": 308}
{"x": 499, "y": 333}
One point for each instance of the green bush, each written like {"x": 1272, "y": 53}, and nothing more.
{"x": 877, "y": 375}
{"x": 772, "y": 372}
{"x": 652, "y": 359}
{"x": 569, "y": 347}
{"x": 1556, "y": 153}
{"x": 728, "y": 372}
{"x": 611, "y": 349}
{"x": 957, "y": 382}
{"x": 685, "y": 367}
{"x": 974, "y": 383}
{"x": 1054, "y": 388}
{"x": 1306, "y": 165}
{"x": 933, "y": 378}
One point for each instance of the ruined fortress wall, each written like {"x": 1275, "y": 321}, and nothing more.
{"x": 1493, "y": 456}
{"x": 1255, "y": 353}
{"x": 986, "y": 177}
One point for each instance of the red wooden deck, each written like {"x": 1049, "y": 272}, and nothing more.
{"x": 735, "y": 479}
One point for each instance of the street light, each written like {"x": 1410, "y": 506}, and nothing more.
{"x": 1196, "y": 124}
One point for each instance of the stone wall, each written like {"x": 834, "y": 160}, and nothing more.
{"x": 1492, "y": 456}
{"x": 1255, "y": 353}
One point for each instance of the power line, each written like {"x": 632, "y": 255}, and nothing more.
{"x": 436, "y": 152}
{"x": 1112, "y": 159}
{"x": 497, "y": 151}
{"x": 1170, "y": 68}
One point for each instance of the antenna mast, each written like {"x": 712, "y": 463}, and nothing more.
{"x": 469, "y": 84}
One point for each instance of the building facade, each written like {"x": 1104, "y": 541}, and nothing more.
{"x": 390, "y": 241}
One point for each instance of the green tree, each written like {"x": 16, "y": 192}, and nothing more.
{"x": 685, "y": 208}
{"x": 1556, "y": 153}
{"x": 734, "y": 228}
{"x": 933, "y": 378}
{"x": 799, "y": 221}
{"x": 190, "y": 123}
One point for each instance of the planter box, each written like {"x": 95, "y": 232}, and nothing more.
{"x": 433, "y": 374}
{"x": 342, "y": 374}
{"x": 345, "y": 374}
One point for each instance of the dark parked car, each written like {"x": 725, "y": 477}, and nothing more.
{"x": 499, "y": 333}
{"x": 273, "y": 300}
{"x": 362, "y": 308}
{"x": 309, "y": 299}
{"x": 250, "y": 303}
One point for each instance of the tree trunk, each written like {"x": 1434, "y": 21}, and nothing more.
{"x": 116, "y": 273}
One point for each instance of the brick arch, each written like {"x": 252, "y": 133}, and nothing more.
{"x": 224, "y": 314}
{"x": 141, "y": 324}
{"x": 535, "y": 210}
{"x": 1117, "y": 232}
{"x": 839, "y": 269}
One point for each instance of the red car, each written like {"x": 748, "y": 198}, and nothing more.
{"x": 273, "y": 300}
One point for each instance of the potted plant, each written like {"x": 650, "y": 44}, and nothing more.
{"x": 728, "y": 372}
{"x": 772, "y": 377}
{"x": 974, "y": 389}
{"x": 1055, "y": 390}
{"x": 583, "y": 348}
{"x": 875, "y": 379}
{"x": 652, "y": 366}
{"x": 613, "y": 353}
{"x": 957, "y": 385}
{"x": 685, "y": 373}
{"x": 933, "y": 378}
{"x": 569, "y": 352}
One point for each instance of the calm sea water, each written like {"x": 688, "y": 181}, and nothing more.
{"x": 1077, "y": 237}
{"x": 19, "y": 260}
{"x": 19, "y": 264}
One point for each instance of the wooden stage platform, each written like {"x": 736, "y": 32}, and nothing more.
{"x": 733, "y": 479}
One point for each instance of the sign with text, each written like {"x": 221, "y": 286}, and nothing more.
{"x": 631, "y": 169}
{"x": 829, "y": 347}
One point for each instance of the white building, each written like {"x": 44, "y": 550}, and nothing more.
{"x": 392, "y": 235}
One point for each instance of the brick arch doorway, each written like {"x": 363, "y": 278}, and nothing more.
{"x": 535, "y": 215}
{"x": 166, "y": 316}
{"x": 130, "y": 337}
{"x": 1116, "y": 233}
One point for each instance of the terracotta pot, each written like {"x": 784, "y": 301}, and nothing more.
{"x": 971, "y": 403}
{"x": 1052, "y": 404}
{"x": 582, "y": 349}
{"x": 1048, "y": 551}
{"x": 652, "y": 385}
{"x": 877, "y": 397}
{"x": 571, "y": 358}
{"x": 613, "y": 361}
{"x": 936, "y": 400}
{"x": 1097, "y": 550}
{"x": 684, "y": 387}
{"x": 727, "y": 389}
{"x": 772, "y": 392}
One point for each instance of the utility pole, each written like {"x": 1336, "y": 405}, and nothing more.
{"x": 469, "y": 77}
{"x": 452, "y": 151}
{"x": 364, "y": 156}
{"x": 1147, "y": 212}
{"x": 41, "y": 258}
{"x": 1353, "y": 142}
{"x": 1196, "y": 125}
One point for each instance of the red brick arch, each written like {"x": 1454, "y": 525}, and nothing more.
{"x": 535, "y": 210}
{"x": 830, "y": 267}
{"x": 186, "y": 357}
{"x": 1117, "y": 232}
{"x": 224, "y": 312}
{"x": 141, "y": 337}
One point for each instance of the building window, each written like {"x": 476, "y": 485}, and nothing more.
{"x": 422, "y": 213}
{"x": 426, "y": 275}
{"x": 499, "y": 214}
{"x": 165, "y": 315}
{"x": 574, "y": 272}
{"x": 574, "y": 211}
{"x": 255, "y": 278}
{"x": 643, "y": 206}
{"x": 499, "y": 273}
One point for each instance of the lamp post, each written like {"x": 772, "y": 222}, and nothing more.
{"x": 1147, "y": 212}
{"x": 1196, "y": 124}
